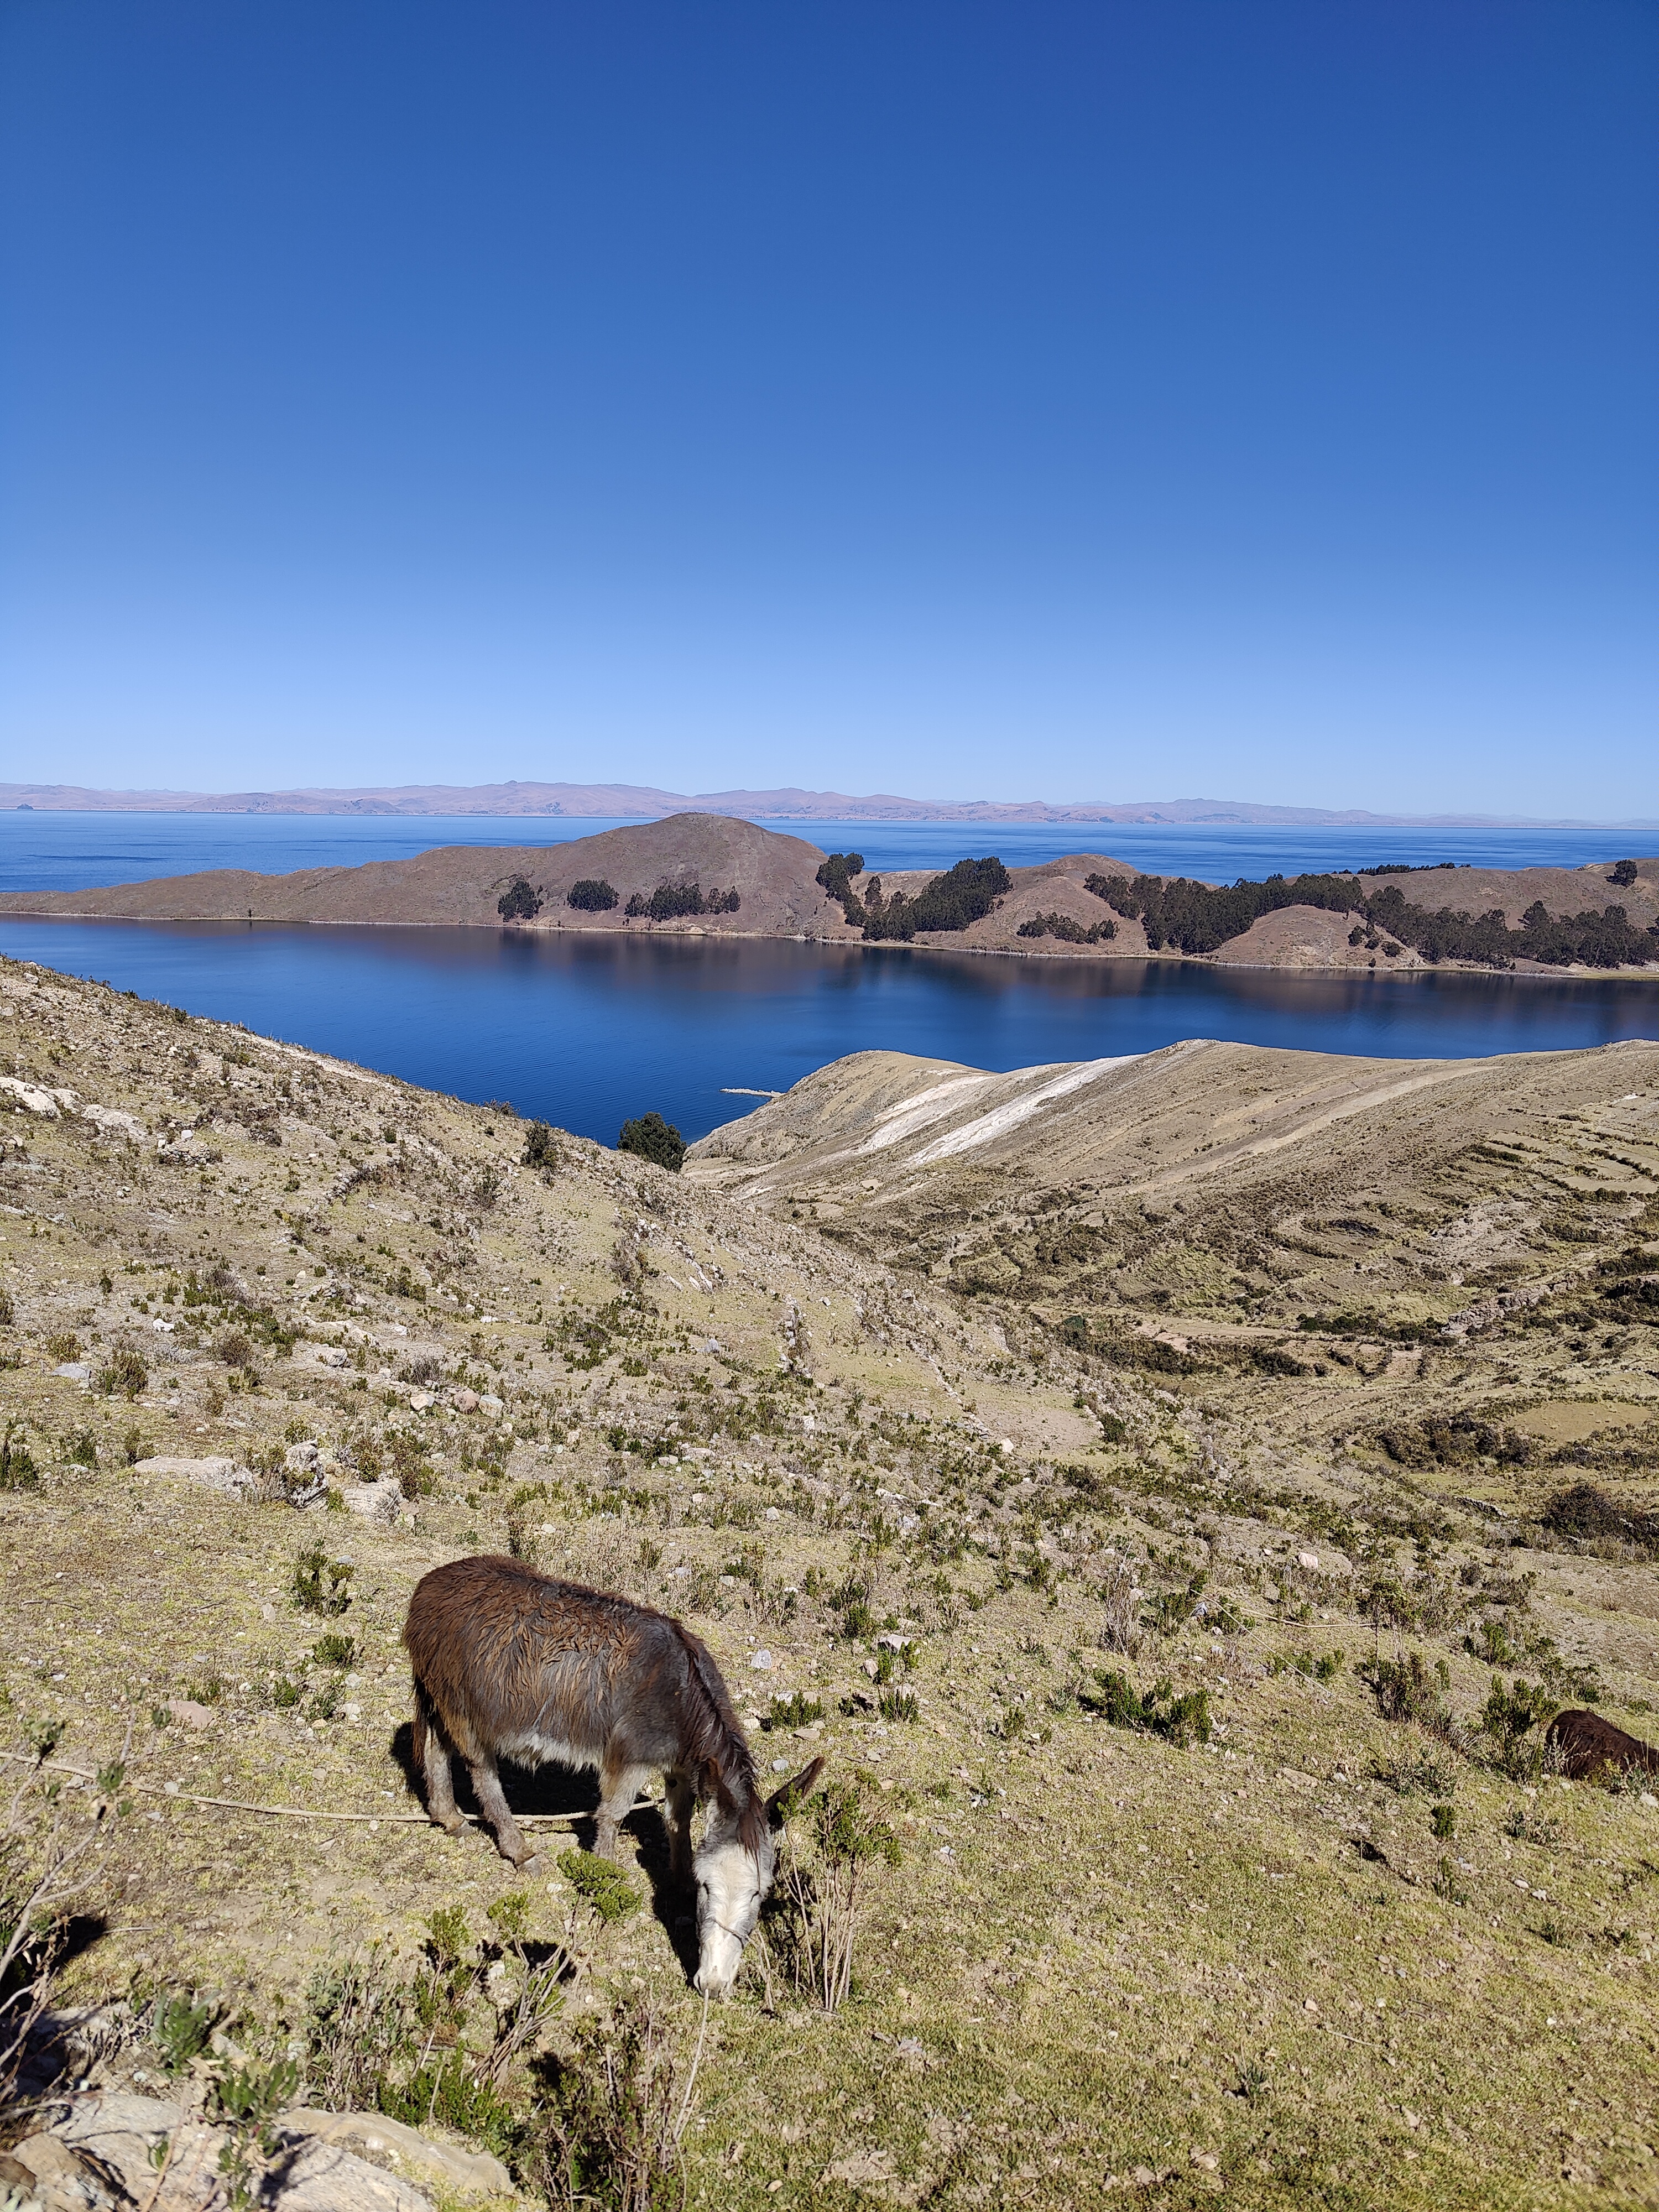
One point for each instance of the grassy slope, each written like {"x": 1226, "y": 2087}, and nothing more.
{"x": 1123, "y": 1935}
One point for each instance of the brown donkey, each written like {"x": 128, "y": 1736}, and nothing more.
{"x": 1589, "y": 1745}
{"x": 510, "y": 1664}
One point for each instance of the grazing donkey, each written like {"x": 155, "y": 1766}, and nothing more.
{"x": 510, "y": 1664}
{"x": 1590, "y": 1746}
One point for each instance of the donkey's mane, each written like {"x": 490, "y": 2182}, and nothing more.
{"x": 714, "y": 1739}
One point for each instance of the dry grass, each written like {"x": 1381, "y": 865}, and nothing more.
{"x": 1105, "y": 1963}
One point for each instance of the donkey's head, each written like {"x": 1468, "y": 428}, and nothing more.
{"x": 733, "y": 1868}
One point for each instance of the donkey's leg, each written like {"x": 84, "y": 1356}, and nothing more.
{"x": 492, "y": 1803}
{"x": 619, "y": 1785}
{"x": 440, "y": 1783}
{"x": 682, "y": 1803}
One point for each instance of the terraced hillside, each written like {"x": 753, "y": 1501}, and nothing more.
{"x": 1151, "y": 1635}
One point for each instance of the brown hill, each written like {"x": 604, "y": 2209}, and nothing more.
{"x": 462, "y": 885}
{"x": 774, "y": 877}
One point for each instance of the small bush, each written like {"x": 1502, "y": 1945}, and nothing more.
{"x": 1407, "y": 1690}
{"x": 1179, "y": 1720}
{"x": 180, "y": 2029}
{"x": 651, "y": 1138}
{"x": 62, "y": 1346}
{"x": 540, "y": 1149}
{"x": 334, "y": 1649}
{"x": 1584, "y": 1510}
{"x": 81, "y": 1450}
{"x": 602, "y": 1885}
{"x": 592, "y": 895}
{"x": 1408, "y": 1772}
{"x": 1510, "y": 1715}
{"x": 796, "y": 1711}
{"x": 126, "y": 1373}
{"x": 613, "y": 2108}
{"x": 17, "y": 1467}
{"x": 321, "y": 1584}
{"x": 1443, "y": 1819}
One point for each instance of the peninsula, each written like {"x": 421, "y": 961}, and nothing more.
{"x": 719, "y": 874}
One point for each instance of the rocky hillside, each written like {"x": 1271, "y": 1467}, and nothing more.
{"x": 1152, "y": 1636}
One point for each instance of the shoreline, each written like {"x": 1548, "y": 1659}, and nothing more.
{"x": 1073, "y": 956}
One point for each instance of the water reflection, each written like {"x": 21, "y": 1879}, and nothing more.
{"x": 586, "y": 1029}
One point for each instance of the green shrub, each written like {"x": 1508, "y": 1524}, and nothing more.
{"x": 321, "y": 1584}
{"x": 651, "y": 1138}
{"x": 1179, "y": 1721}
{"x": 541, "y": 1148}
{"x": 604, "y": 1886}
{"x": 592, "y": 895}
{"x": 126, "y": 1372}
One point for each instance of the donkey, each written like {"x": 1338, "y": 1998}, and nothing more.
{"x": 1589, "y": 1746}
{"x": 510, "y": 1664}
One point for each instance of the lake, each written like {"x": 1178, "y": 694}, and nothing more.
{"x": 585, "y": 1032}
{"x": 73, "y": 852}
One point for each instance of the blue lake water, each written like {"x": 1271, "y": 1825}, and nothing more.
{"x": 585, "y": 1032}
{"x": 72, "y": 852}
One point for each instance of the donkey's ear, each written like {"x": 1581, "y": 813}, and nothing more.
{"x": 782, "y": 1802}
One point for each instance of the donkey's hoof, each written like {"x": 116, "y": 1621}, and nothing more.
{"x": 534, "y": 1867}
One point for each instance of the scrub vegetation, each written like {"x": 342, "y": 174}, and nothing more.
{"x": 1182, "y": 1671}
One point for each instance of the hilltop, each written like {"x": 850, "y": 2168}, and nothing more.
{"x": 1061, "y": 1453}
{"x": 740, "y": 880}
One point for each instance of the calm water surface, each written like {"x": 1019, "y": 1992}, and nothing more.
{"x": 584, "y": 1033}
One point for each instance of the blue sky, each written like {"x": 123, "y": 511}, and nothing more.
{"x": 1019, "y": 401}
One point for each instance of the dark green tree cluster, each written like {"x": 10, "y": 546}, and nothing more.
{"x": 1196, "y": 917}
{"x": 518, "y": 902}
{"x": 651, "y": 1138}
{"x": 592, "y": 895}
{"x": 668, "y": 902}
{"x": 1623, "y": 873}
{"x": 1068, "y": 931}
{"x": 836, "y": 876}
{"x": 962, "y": 896}
{"x": 1607, "y": 940}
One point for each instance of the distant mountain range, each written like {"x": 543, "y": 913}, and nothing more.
{"x": 640, "y": 802}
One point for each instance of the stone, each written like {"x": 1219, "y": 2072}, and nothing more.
{"x": 491, "y": 1404}
{"x": 213, "y": 1474}
{"x": 381, "y": 1502}
{"x": 1310, "y": 1560}
{"x": 98, "y": 2156}
{"x": 74, "y": 1370}
{"x": 464, "y": 1401}
{"x": 190, "y": 1712}
{"x": 303, "y": 1459}
{"x": 761, "y": 1661}
{"x": 420, "y": 1401}
{"x": 458, "y": 2169}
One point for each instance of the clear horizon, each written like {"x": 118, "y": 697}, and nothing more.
{"x": 1080, "y": 399}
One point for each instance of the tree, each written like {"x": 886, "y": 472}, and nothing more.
{"x": 1624, "y": 874}
{"x": 651, "y": 1138}
{"x": 592, "y": 895}
{"x": 518, "y": 902}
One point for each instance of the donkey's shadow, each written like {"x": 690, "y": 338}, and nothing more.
{"x": 572, "y": 1796}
